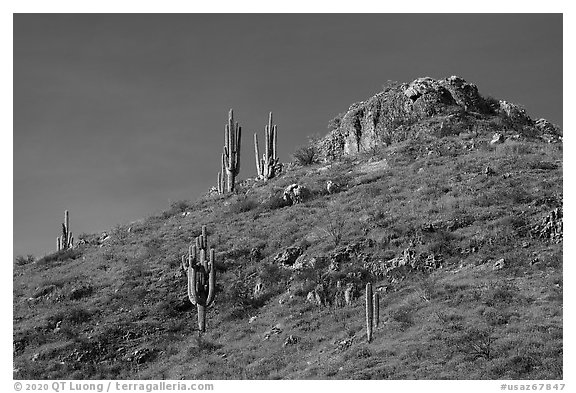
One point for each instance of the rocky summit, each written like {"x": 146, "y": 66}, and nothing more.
{"x": 420, "y": 239}
{"x": 438, "y": 107}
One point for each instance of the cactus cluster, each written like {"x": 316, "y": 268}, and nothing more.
{"x": 201, "y": 276}
{"x": 230, "y": 156}
{"x": 268, "y": 166}
{"x": 66, "y": 240}
{"x": 372, "y": 310}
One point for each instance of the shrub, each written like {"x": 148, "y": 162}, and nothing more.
{"x": 60, "y": 256}
{"x": 80, "y": 292}
{"x": 334, "y": 227}
{"x": 243, "y": 205}
{"x": 334, "y": 124}
{"x": 276, "y": 201}
{"x": 403, "y": 315}
{"x": 175, "y": 208}
{"x": 306, "y": 155}
{"x": 21, "y": 260}
{"x": 544, "y": 165}
{"x": 491, "y": 104}
{"x": 476, "y": 342}
{"x": 78, "y": 315}
{"x": 513, "y": 148}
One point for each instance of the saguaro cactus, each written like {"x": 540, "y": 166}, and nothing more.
{"x": 376, "y": 309}
{"x": 66, "y": 240}
{"x": 267, "y": 166}
{"x": 369, "y": 311}
{"x": 201, "y": 277}
{"x": 230, "y": 156}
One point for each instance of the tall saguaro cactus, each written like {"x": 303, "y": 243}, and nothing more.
{"x": 201, "y": 277}
{"x": 66, "y": 240}
{"x": 230, "y": 156}
{"x": 267, "y": 166}
{"x": 369, "y": 311}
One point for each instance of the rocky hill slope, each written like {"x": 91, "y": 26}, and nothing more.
{"x": 449, "y": 203}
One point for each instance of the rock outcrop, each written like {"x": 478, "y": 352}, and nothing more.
{"x": 396, "y": 114}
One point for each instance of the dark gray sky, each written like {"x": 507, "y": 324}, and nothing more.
{"x": 117, "y": 115}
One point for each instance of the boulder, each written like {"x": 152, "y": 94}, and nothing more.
{"x": 350, "y": 293}
{"x": 497, "y": 138}
{"x": 499, "y": 264}
{"x": 289, "y": 256}
{"x": 304, "y": 262}
{"x": 295, "y": 193}
{"x": 290, "y": 340}
{"x": 514, "y": 112}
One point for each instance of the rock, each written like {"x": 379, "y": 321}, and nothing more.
{"x": 489, "y": 171}
{"x": 311, "y": 297}
{"x": 497, "y": 138}
{"x": 464, "y": 94}
{"x": 419, "y": 87}
{"x": 514, "y": 112}
{"x": 142, "y": 355}
{"x": 258, "y": 289}
{"x": 289, "y": 256}
{"x": 350, "y": 293}
{"x": 546, "y": 127}
{"x": 395, "y": 115}
{"x": 252, "y": 319}
{"x": 295, "y": 193}
{"x": 304, "y": 262}
{"x": 339, "y": 300}
{"x": 499, "y": 264}
{"x": 550, "y": 227}
{"x": 549, "y": 138}
{"x": 332, "y": 187}
{"x": 344, "y": 344}
{"x": 255, "y": 254}
{"x": 290, "y": 340}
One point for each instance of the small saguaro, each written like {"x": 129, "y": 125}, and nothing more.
{"x": 201, "y": 277}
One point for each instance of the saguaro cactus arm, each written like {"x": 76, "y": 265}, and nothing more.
{"x": 192, "y": 295}
{"x": 376, "y": 309}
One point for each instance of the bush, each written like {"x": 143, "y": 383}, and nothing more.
{"x": 276, "y": 201}
{"x": 476, "y": 342}
{"x": 403, "y": 315}
{"x": 21, "y": 260}
{"x": 335, "y": 226}
{"x": 334, "y": 124}
{"x": 243, "y": 205}
{"x": 60, "y": 256}
{"x": 491, "y": 104}
{"x": 306, "y": 155}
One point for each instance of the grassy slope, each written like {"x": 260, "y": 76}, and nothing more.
{"x": 120, "y": 310}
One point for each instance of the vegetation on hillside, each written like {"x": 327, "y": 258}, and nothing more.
{"x": 461, "y": 240}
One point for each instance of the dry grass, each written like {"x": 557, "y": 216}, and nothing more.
{"x": 120, "y": 311}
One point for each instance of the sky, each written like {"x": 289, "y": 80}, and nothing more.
{"x": 115, "y": 116}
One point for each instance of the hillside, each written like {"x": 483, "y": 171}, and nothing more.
{"x": 458, "y": 229}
